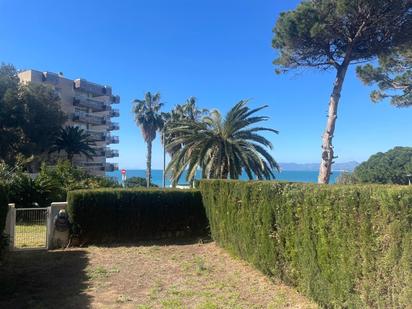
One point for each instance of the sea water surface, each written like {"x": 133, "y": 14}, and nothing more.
{"x": 293, "y": 176}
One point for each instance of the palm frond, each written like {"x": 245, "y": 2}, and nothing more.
{"x": 220, "y": 147}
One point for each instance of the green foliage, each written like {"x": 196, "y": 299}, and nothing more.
{"x": 133, "y": 182}
{"x": 133, "y": 214}
{"x": 347, "y": 178}
{"x": 50, "y": 185}
{"x": 67, "y": 177}
{"x": 147, "y": 115}
{"x": 73, "y": 141}
{"x": 30, "y": 116}
{"x": 185, "y": 112}
{"x": 344, "y": 246}
{"x": 25, "y": 191}
{"x": 393, "y": 77}
{"x": 328, "y": 33}
{"x": 391, "y": 167}
{"x": 28, "y": 192}
{"x": 222, "y": 147}
{"x": 150, "y": 120}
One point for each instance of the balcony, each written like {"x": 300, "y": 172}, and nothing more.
{"x": 112, "y": 139}
{"x": 113, "y": 126}
{"x": 111, "y": 153}
{"x": 111, "y": 167}
{"x": 92, "y": 88}
{"x": 115, "y": 99}
{"x": 100, "y": 152}
{"x": 89, "y": 118}
{"x": 94, "y": 105}
{"x": 114, "y": 113}
{"x": 93, "y": 166}
{"x": 97, "y": 136}
{"x": 50, "y": 78}
{"x": 106, "y": 152}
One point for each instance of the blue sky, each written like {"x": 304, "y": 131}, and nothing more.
{"x": 217, "y": 51}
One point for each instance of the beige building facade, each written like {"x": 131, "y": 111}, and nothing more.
{"x": 88, "y": 106}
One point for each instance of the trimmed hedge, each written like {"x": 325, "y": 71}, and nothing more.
{"x": 103, "y": 215}
{"x": 343, "y": 246}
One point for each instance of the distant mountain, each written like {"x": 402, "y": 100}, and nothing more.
{"x": 345, "y": 166}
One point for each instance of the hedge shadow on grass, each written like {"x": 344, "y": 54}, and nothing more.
{"x": 41, "y": 279}
{"x": 155, "y": 242}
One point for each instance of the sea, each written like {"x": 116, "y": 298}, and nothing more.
{"x": 292, "y": 176}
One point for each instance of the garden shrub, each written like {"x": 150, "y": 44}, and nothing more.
{"x": 50, "y": 185}
{"x": 121, "y": 215}
{"x": 342, "y": 245}
{"x": 66, "y": 177}
{"x": 134, "y": 182}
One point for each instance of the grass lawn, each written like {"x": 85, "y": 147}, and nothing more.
{"x": 30, "y": 236}
{"x": 190, "y": 275}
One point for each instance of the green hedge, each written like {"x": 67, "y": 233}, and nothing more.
{"x": 103, "y": 215}
{"x": 343, "y": 246}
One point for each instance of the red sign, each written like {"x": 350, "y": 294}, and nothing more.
{"x": 123, "y": 172}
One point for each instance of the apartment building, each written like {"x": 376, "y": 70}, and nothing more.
{"x": 88, "y": 106}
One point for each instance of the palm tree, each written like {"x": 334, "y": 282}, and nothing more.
{"x": 222, "y": 148}
{"x": 73, "y": 141}
{"x": 181, "y": 112}
{"x": 185, "y": 112}
{"x": 149, "y": 119}
{"x": 190, "y": 111}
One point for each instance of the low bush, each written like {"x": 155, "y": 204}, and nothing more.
{"x": 66, "y": 177}
{"x": 344, "y": 246}
{"x": 51, "y": 184}
{"x": 122, "y": 215}
{"x": 134, "y": 182}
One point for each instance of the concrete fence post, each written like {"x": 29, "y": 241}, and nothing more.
{"x": 10, "y": 225}
{"x": 52, "y": 237}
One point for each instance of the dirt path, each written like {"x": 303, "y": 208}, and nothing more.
{"x": 199, "y": 276}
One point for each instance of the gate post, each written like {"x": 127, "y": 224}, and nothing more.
{"x": 53, "y": 211}
{"x": 10, "y": 225}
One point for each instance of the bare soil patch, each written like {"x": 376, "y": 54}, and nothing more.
{"x": 159, "y": 275}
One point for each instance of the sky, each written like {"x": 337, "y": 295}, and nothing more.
{"x": 217, "y": 50}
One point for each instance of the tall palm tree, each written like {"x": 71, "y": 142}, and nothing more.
{"x": 73, "y": 141}
{"x": 190, "y": 111}
{"x": 150, "y": 120}
{"x": 222, "y": 148}
{"x": 181, "y": 112}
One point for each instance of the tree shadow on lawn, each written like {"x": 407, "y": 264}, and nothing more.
{"x": 41, "y": 279}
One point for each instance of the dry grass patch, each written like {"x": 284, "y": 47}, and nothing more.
{"x": 200, "y": 276}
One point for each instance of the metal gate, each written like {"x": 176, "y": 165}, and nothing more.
{"x": 30, "y": 228}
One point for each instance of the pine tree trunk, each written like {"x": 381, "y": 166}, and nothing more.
{"x": 327, "y": 147}
{"x": 149, "y": 164}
